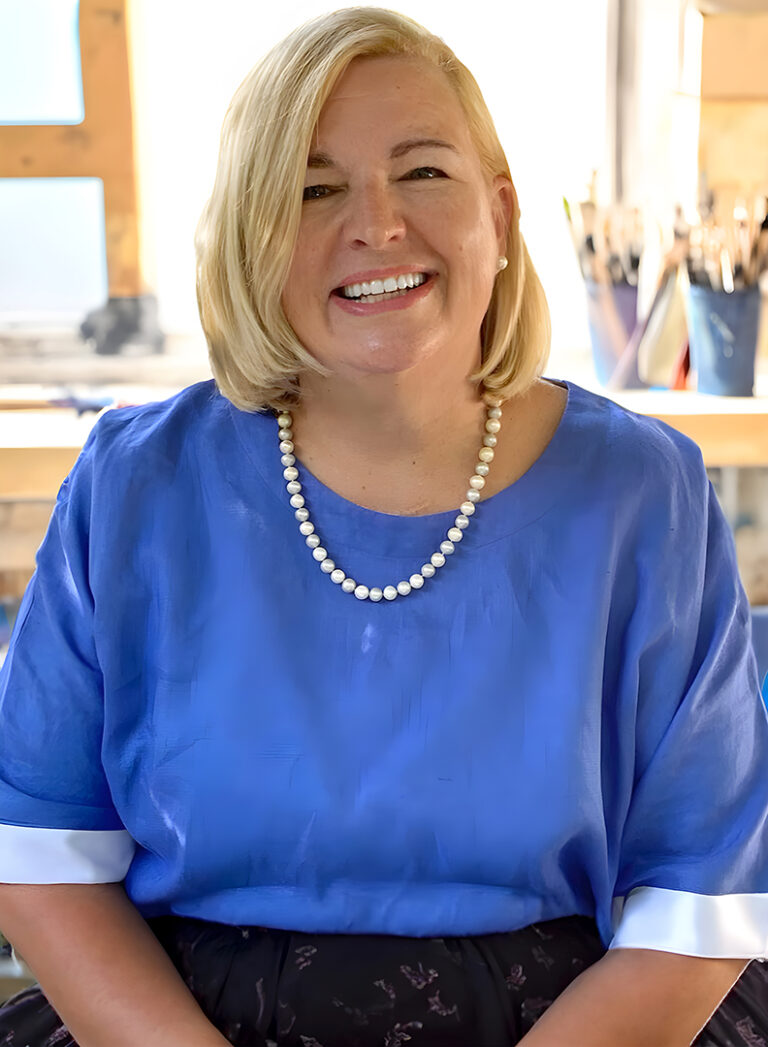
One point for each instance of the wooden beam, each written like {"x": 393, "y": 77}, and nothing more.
{"x": 733, "y": 57}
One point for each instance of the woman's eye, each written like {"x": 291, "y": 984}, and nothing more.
{"x": 426, "y": 172}
{"x": 316, "y": 192}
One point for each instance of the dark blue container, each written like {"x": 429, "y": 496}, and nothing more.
{"x": 612, "y": 315}
{"x": 722, "y": 329}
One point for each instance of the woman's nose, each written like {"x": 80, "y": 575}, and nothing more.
{"x": 373, "y": 218}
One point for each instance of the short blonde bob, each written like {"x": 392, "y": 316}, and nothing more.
{"x": 246, "y": 235}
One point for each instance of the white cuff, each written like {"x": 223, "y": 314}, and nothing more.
{"x": 29, "y": 855}
{"x": 733, "y": 926}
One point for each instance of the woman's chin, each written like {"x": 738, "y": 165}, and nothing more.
{"x": 383, "y": 362}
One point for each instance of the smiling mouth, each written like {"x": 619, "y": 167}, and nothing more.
{"x": 374, "y": 291}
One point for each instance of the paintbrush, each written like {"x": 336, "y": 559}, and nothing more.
{"x": 592, "y": 260}
{"x": 576, "y": 236}
{"x": 761, "y": 247}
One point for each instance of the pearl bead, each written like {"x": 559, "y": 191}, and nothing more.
{"x": 337, "y": 576}
{"x": 477, "y": 483}
{"x": 389, "y": 592}
{"x": 403, "y": 588}
{"x": 416, "y": 581}
{"x": 286, "y": 446}
{"x": 319, "y": 553}
{"x": 447, "y": 548}
{"x": 291, "y": 473}
{"x": 348, "y": 585}
{"x": 375, "y": 595}
{"x": 428, "y": 570}
{"x": 492, "y": 425}
{"x": 454, "y": 534}
{"x": 297, "y": 501}
{"x": 467, "y": 508}
{"x": 287, "y": 459}
{"x": 362, "y": 592}
{"x": 307, "y": 527}
{"x": 473, "y": 495}
{"x": 312, "y": 540}
{"x": 293, "y": 487}
{"x": 285, "y": 434}
{"x": 486, "y": 454}
{"x": 482, "y": 469}
{"x": 438, "y": 560}
{"x": 462, "y": 521}
{"x": 302, "y": 515}
{"x": 328, "y": 565}
{"x": 489, "y": 440}
{"x": 495, "y": 412}
{"x": 493, "y": 401}
{"x": 284, "y": 420}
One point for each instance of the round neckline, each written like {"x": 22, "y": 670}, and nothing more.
{"x": 354, "y": 526}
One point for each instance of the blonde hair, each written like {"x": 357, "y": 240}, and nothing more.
{"x": 248, "y": 230}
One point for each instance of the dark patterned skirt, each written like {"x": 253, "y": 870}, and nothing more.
{"x": 263, "y": 987}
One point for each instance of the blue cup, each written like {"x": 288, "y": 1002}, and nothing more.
{"x": 612, "y": 315}
{"x": 722, "y": 329}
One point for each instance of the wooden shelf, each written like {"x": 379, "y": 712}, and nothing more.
{"x": 38, "y": 448}
{"x": 729, "y": 430}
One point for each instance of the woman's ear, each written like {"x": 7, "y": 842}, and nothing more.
{"x": 505, "y": 207}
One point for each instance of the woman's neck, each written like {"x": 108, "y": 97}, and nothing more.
{"x": 387, "y": 446}
{"x": 410, "y": 456}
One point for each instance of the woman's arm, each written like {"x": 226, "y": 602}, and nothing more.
{"x": 637, "y": 998}
{"x": 101, "y": 967}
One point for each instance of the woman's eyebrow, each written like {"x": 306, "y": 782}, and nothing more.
{"x": 419, "y": 143}
{"x": 321, "y": 160}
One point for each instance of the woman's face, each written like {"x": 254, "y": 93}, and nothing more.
{"x": 394, "y": 196}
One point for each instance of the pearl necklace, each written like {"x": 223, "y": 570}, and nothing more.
{"x": 437, "y": 559}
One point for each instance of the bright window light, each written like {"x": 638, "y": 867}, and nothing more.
{"x": 40, "y": 81}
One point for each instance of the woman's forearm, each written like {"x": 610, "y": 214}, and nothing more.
{"x": 637, "y": 998}
{"x": 102, "y": 968}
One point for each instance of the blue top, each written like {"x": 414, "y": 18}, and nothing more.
{"x": 569, "y": 712}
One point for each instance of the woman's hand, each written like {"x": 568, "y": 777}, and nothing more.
{"x": 637, "y": 998}
{"x": 101, "y": 967}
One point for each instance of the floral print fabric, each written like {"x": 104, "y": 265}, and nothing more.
{"x": 264, "y": 988}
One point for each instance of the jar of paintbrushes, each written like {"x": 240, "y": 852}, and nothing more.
{"x": 608, "y": 244}
{"x": 724, "y": 264}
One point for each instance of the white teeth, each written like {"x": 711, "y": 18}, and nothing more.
{"x": 386, "y": 286}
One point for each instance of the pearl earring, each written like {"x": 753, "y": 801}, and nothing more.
{"x": 501, "y": 263}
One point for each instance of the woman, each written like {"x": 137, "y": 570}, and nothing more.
{"x": 391, "y": 772}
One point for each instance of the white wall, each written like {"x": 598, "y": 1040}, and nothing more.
{"x": 541, "y": 66}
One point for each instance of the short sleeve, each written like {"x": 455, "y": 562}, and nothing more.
{"x": 693, "y": 869}
{"x": 57, "y": 820}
